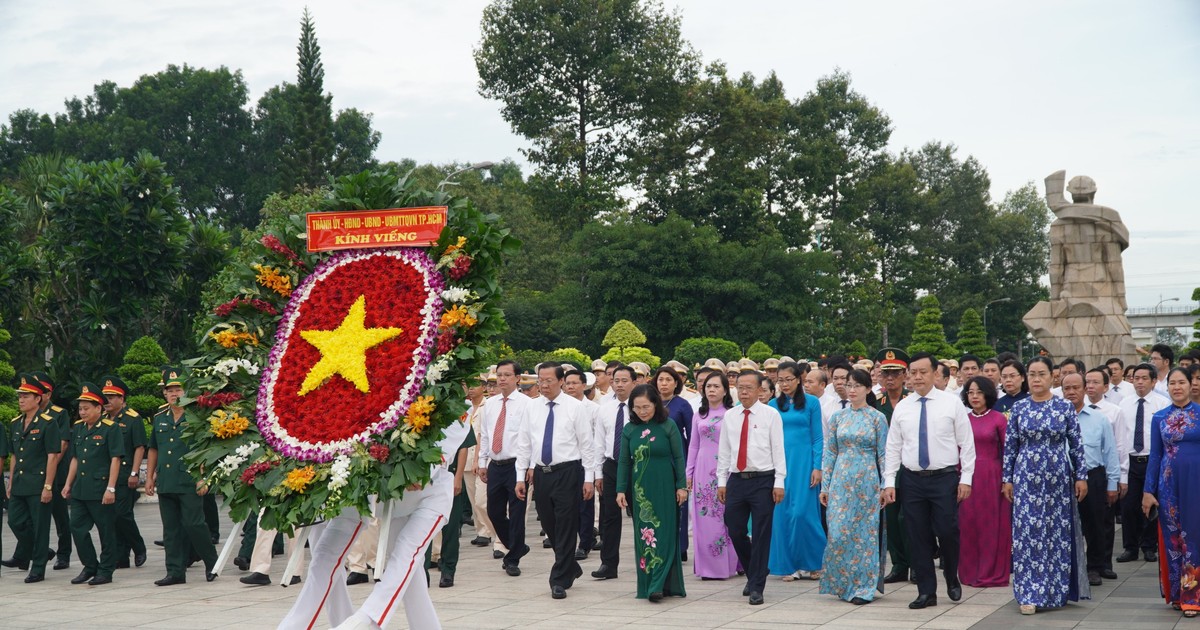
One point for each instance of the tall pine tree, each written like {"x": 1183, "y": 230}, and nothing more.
{"x": 972, "y": 336}
{"x": 928, "y": 333}
{"x": 307, "y": 157}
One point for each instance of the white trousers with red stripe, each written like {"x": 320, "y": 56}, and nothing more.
{"x": 415, "y": 520}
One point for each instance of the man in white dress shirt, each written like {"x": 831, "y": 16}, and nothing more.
{"x": 555, "y": 453}
{"x": 1162, "y": 357}
{"x": 1133, "y": 449}
{"x": 750, "y": 471}
{"x": 613, "y": 415}
{"x": 838, "y": 401}
{"x": 503, "y": 416}
{"x": 574, "y": 385}
{"x": 929, "y": 440}
{"x": 1117, "y": 387}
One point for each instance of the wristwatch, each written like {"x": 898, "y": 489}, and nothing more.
{"x": 46, "y": 487}
{"x": 110, "y": 489}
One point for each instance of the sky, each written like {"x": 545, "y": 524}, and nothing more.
{"x": 1027, "y": 87}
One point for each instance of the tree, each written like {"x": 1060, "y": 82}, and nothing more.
{"x": 572, "y": 356}
{"x": 307, "y": 157}
{"x": 623, "y": 334}
{"x": 697, "y": 350}
{"x": 142, "y": 372}
{"x": 758, "y": 352}
{"x": 856, "y": 350}
{"x": 972, "y": 337}
{"x": 928, "y": 334}
{"x": 631, "y": 354}
{"x": 1195, "y": 344}
{"x": 586, "y": 82}
{"x": 8, "y": 395}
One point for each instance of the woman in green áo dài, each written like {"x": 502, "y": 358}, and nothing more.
{"x": 653, "y": 448}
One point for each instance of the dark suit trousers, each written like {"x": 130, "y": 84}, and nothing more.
{"x": 587, "y": 524}
{"x": 1136, "y": 531}
{"x": 930, "y": 508}
{"x": 506, "y": 510}
{"x": 610, "y": 518}
{"x": 1097, "y": 521}
{"x": 747, "y": 499}
{"x": 558, "y": 496}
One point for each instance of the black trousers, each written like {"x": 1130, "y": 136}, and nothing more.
{"x": 747, "y": 499}
{"x": 587, "y": 524}
{"x": 1136, "y": 531}
{"x": 506, "y": 510}
{"x": 558, "y": 495}
{"x": 929, "y": 505}
{"x": 610, "y": 517}
{"x": 1097, "y": 521}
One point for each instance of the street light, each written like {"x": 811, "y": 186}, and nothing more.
{"x": 1160, "y": 303}
{"x": 478, "y": 166}
{"x": 985, "y": 308}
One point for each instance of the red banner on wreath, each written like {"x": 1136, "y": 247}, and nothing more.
{"x": 371, "y": 229}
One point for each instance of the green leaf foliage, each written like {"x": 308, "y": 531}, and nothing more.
{"x": 856, "y": 350}
{"x": 572, "y": 356}
{"x": 758, "y": 352}
{"x": 696, "y": 350}
{"x": 629, "y": 354}
{"x": 972, "y": 338}
{"x": 928, "y": 334}
{"x": 623, "y": 334}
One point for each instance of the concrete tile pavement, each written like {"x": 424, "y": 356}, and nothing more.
{"x": 484, "y": 597}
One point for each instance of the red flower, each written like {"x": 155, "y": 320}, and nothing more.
{"x": 379, "y": 452}
{"x": 260, "y": 305}
{"x": 460, "y": 267}
{"x": 447, "y": 342}
{"x": 274, "y": 244}
{"x": 218, "y": 400}
{"x": 254, "y": 470}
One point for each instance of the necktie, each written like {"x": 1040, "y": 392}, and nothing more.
{"x": 548, "y": 437}
{"x": 1094, "y": 406}
{"x": 923, "y": 438}
{"x": 498, "y": 435}
{"x": 1139, "y": 427}
{"x": 744, "y": 443}
{"x": 617, "y": 426}
{"x": 844, "y": 403}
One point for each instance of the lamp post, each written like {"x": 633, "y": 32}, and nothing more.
{"x": 1160, "y": 303}
{"x": 474, "y": 167}
{"x": 985, "y": 308}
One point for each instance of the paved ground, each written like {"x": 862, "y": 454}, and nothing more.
{"x": 484, "y": 598}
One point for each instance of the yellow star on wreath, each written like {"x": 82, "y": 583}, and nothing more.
{"x": 344, "y": 349}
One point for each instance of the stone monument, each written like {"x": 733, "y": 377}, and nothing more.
{"x": 1085, "y": 317}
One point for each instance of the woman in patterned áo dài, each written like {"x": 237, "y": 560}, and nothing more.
{"x": 652, "y": 461}
{"x": 1045, "y": 477}
{"x": 714, "y": 558}
{"x": 851, "y": 489}
{"x": 1173, "y": 485}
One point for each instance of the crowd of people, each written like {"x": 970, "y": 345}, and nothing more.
{"x": 854, "y": 474}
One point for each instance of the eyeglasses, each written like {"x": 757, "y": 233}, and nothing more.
{"x": 788, "y": 381}
{"x": 855, "y": 385}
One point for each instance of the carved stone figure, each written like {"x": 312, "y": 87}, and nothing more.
{"x": 1085, "y": 317}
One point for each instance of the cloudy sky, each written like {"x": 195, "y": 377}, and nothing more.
{"x": 1102, "y": 88}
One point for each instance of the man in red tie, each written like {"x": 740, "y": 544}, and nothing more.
{"x": 750, "y": 473}
{"x": 503, "y": 417}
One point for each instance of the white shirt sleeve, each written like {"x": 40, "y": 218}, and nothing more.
{"x": 724, "y": 450}
{"x": 778, "y": 458}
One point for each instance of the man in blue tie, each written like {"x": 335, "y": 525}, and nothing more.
{"x": 614, "y": 413}
{"x": 1133, "y": 451}
{"x": 555, "y": 451}
{"x": 931, "y": 447}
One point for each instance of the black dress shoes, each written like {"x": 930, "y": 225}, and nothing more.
{"x": 170, "y": 580}
{"x": 480, "y": 541}
{"x": 209, "y": 575}
{"x": 63, "y": 562}
{"x": 604, "y": 573}
{"x": 12, "y": 563}
{"x": 356, "y": 578}
{"x": 656, "y": 597}
{"x": 497, "y": 554}
{"x": 1094, "y": 578}
{"x": 581, "y": 554}
{"x": 30, "y": 579}
{"x": 923, "y": 601}
{"x": 755, "y": 598}
{"x": 1108, "y": 574}
{"x": 446, "y": 582}
{"x": 683, "y": 556}
{"x": 241, "y": 563}
{"x": 1129, "y": 555}
{"x": 547, "y": 543}
{"x": 256, "y": 579}
{"x": 858, "y": 601}
{"x": 1151, "y": 556}
{"x": 513, "y": 570}
{"x": 98, "y": 580}
{"x": 82, "y": 577}
{"x": 159, "y": 543}
{"x": 897, "y": 575}
{"x": 746, "y": 591}
{"x": 558, "y": 592}
{"x": 139, "y": 559}
{"x": 954, "y": 591}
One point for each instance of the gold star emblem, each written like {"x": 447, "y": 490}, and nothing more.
{"x": 344, "y": 349}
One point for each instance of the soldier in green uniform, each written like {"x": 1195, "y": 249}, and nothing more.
{"x": 91, "y": 486}
{"x": 179, "y": 494}
{"x": 34, "y": 440}
{"x": 58, "y": 506}
{"x": 893, "y": 364}
{"x": 133, "y": 433}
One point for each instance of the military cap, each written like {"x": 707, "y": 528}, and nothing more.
{"x": 891, "y": 359}
{"x": 733, "y": 366}
{"x": 172, "y": 377}
{"x": 771, "y": 364}
{"x": 45, "y": 380}
{"x": 747, "y": 364}
{"x": 599, "y": 364}
{"x": 91, "y": 393}
{"x": 679, "y": 368}
{"x": 29, "y": 384}
{"x": 951, "y": 363}
{"x": 640, "y": 368}
{"x": 715, "y": 364}
{"x": 786, "y": 359}
{"x": 113, "y": 385}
